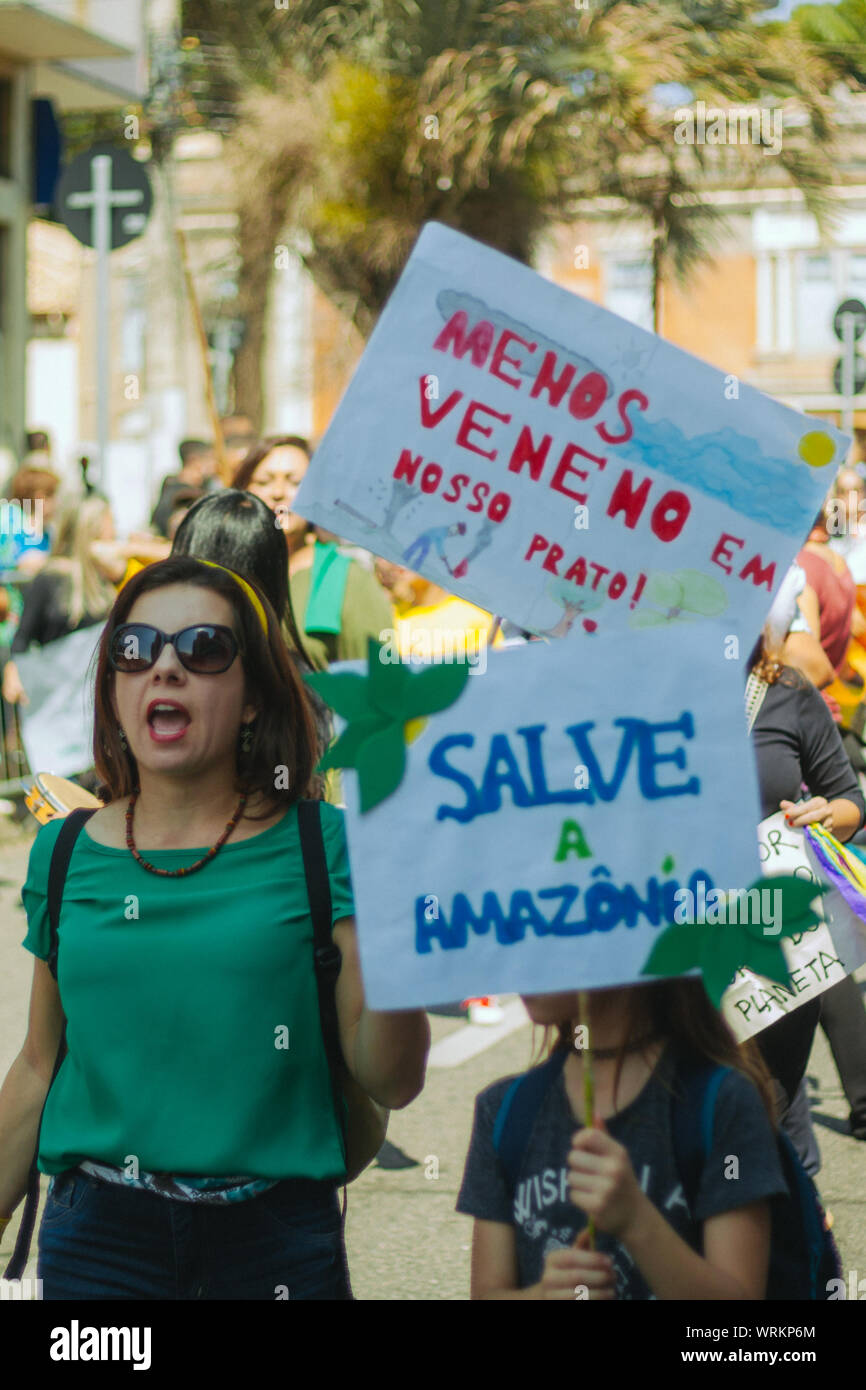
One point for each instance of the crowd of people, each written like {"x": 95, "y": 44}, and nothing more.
{"x": 165, "y": 1185}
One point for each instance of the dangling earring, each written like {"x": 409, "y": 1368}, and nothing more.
{"x": 246, "y": 738}
{"x": 124, "y": 745}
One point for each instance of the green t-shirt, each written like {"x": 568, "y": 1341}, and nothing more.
{"x": 178, "y": 994}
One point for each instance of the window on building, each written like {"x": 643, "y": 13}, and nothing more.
{"x": 816, "y": 300}
{"x": 856, "y": 276}
{"x": 628, "y": 290}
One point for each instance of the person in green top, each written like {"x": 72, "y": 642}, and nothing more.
{"x": 190, "y": 1131}
{"x": 340, "y": 602}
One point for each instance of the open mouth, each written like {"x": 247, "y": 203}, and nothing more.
{"x": 167, "y": 722}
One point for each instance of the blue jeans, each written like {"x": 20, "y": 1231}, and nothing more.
{"x": 101, "y": 1241}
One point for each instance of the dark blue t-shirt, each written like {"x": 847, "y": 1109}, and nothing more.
{"x": 743, "y": 1167}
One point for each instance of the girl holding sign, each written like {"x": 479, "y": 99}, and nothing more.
{"x": 535, "y": 1177}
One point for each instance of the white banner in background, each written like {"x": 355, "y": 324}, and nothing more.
{"x": 57, "y": 723}
{"x": 818, "y": 959}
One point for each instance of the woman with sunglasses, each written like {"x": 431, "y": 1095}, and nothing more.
{"x": 190, "y": 1132}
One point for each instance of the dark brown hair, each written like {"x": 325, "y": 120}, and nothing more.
{"x": 284, "y": 732}
{"x": 680, "y": 1012}
{"x": 765, "y": 662}
{"x": 248, "y": 465}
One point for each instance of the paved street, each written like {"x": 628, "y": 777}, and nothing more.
{"x": 405, "y": 1239}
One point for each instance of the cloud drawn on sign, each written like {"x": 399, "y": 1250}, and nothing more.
{"x": 729, "y": 467}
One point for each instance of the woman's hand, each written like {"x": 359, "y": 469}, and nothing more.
{"x": 13, "y": 691}
{"x": 602, "y": 1181}
{"x": 816, "y": 811}
{"x": 567, "y": 1273}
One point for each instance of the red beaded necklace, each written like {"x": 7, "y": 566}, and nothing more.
{"x": 193, "y": 868}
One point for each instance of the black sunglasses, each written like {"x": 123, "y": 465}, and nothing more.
{"x": 206, "y": 649}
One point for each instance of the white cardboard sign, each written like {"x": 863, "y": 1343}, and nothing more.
{"x": 821, "y": 957}
{"x": 547, "y": 819}
{"x": 549, "y": 461}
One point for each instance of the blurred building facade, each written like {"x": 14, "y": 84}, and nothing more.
{"x": 55, "y": 56}
{"x": 761, "y": 310}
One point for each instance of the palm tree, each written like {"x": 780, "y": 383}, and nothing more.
{"x": 355, "y": 124}
{"x": 662, "y": 182}
{"x": 839, "y": 33}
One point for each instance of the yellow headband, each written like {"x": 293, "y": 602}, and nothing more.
{"x": 247, "y": 588}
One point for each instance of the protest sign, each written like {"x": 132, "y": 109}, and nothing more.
{"x": 548, "y": 818}
{"x": 553, "y": 463}
{"x": 821, "y": 957}
{"x": 57, "y": 723}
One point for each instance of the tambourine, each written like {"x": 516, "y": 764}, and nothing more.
{"x": 52, "y": 796}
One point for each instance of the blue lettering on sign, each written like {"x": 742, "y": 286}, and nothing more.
{"x": 502, "y": 770}
{"x": 605, "y": 906}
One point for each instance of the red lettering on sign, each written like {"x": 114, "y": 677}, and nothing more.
{"x": 669, "y": 515}
{"x": 766, "y": 575}
{"x": 588, "y": 396}
{"x": 552, "y": 558}
{"x": 629, "y": 499}
{"x": 407, "y": 466}
{"x": 469, "y": 424}
{"x": 430, "y": 417}
{"x": 500, "y": 356}
{"x": 431, "y": 477}
{"x": 721, "y": 554}
{"x": 564, "y": 467}
{"x": 547, "y": 381}
{"x": 527, "y": 451}
{"x": 624, "y": 401}
{"x": 478, "y": 341}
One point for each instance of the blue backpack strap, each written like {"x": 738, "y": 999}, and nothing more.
{"x": 693, "y": 1115}
{"x": 518, "y": 1112}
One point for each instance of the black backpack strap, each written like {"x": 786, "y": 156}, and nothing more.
{"x": 71, "y": 828}
{"x": 326, "y": 955}
{"x": 518, "y": 1112}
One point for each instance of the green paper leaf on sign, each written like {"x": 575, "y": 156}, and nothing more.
{"x": 388, "y": 681}
{"x": 721, "y": 950}
{"x": 436, "y": 687}
{"x": 797, "y": 913}
{"x": 344, "y": 691}
{"x": 768, "y": 959}
{"x": 721, "y": 960}
{"x": 344, "y": 752}
{"x": 381, "y": 762}
{"x": 675, "y": 951}
{"x": 379, "y": 707}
